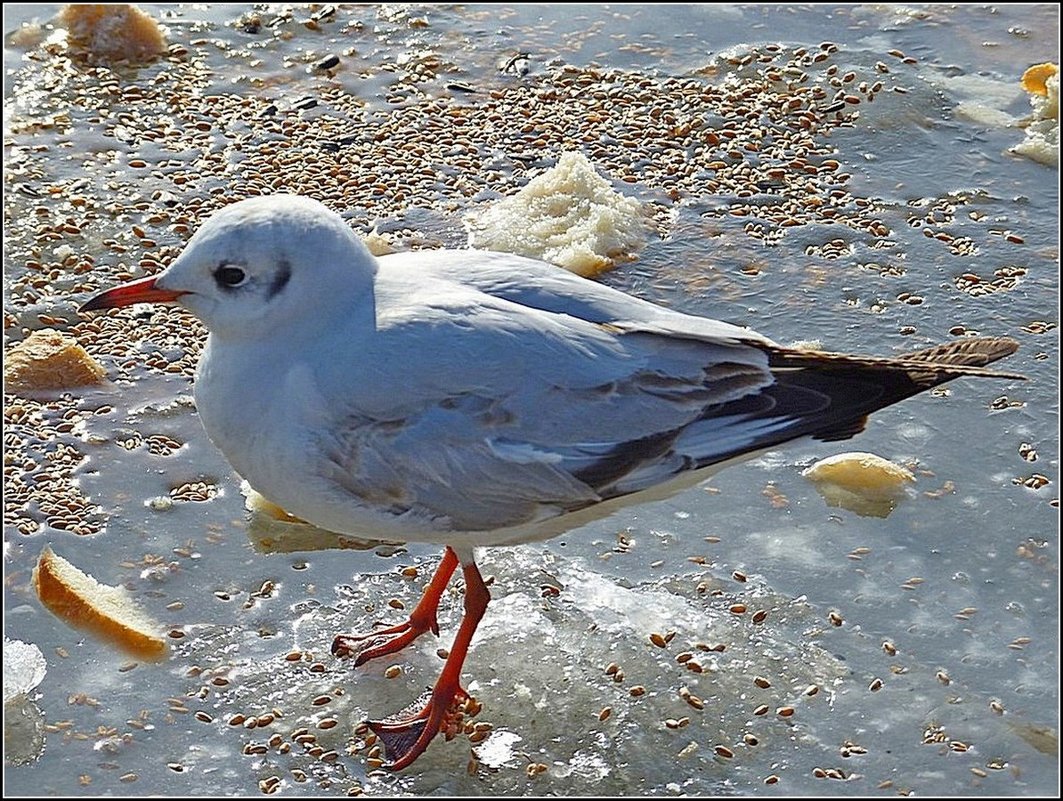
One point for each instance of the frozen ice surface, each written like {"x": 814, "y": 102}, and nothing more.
{"x": 545, "y": 667}
{"x": 24, "y": 668}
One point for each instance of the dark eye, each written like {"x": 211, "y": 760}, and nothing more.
{"x": 229, "y": 277}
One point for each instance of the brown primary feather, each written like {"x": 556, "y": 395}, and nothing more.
{"x": 951, "y": 359}
{"x": 973, "y": 351}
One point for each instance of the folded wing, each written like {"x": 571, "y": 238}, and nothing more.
{"x": 553, "y": 393}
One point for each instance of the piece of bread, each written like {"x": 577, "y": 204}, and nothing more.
{"x": 569, "y": 215}
{"x": 102, "y": 32}
{"x": 1035, "y": 79}
{"x": 48, "y": 359}
{"x": 81, "y": 601}
{"x": 861, "y": 472}
{"x": 860, "y": 482}
{"x": 273, "y": 530}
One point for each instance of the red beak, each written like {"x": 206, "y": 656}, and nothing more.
{"x": 142, "y": 291}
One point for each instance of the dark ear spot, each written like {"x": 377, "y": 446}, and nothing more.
{"x": 280, "y": 280}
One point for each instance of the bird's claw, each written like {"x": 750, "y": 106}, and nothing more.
{"x": 379, "y": 643}
{"x": 406, "y": 734}
{"x": 362, "y": 648}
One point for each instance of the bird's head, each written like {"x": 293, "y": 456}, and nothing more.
{"x": 258, "y": 265}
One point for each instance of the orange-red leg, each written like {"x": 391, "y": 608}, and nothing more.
{"x": 406, "y": 738}
{"x": 422, "y": 619}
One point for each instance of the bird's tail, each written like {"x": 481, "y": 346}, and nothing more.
{"x": 927, "y": 367}
{"x": 852, "y": 387}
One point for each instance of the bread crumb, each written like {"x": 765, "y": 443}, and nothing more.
{"x": 48, "y": 359}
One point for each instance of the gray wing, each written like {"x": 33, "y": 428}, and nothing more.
{"x": 479, "y": 411}
{"x": 491, "y": 398}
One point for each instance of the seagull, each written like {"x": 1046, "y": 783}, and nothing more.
{"x": 472, "y": 398}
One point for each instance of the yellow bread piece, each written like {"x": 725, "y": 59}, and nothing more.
{"x": 108, "y": 612}
{"x": 273, "y": 530}
{"x": 1035, "y": 78}
{"x": 1042, "y": 126}
{"x": 861, "y": 472}
{"x": 860, "y": 482}
{"x": 48, "y": 359}
{"x": 110, "y": 32}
